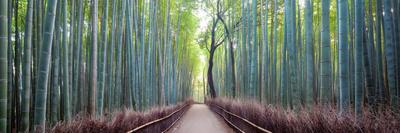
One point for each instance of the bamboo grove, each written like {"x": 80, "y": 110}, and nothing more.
{"x": 61, "y": 58}
{"x": 300, "y": 53}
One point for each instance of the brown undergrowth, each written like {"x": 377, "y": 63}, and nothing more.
{"x": 315, "y": 120}
{"x": 122, "y": 121}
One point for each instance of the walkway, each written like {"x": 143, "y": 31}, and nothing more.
{"x": 200, "y": 119}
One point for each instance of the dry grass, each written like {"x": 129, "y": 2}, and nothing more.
{"x": 121, "y": 121}
{"x": 317, "y": 119}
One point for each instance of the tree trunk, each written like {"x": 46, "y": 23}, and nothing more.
{"x": 309, "y": 53}
{"x": 343, "y": 56}
{"x": 26, "y": 68}
{"x": 45, "y": 54}
{"x": 358, "y": 67}
{"x": 55, "y": 69}
{"x": 100, "y": 91}
{"x": 379, "y": 60}
{"x": 390, "y": 53}
{"x": 3, "y": 65}
{"x": 325, "y": 59}
{"x": 210, "y": 75}
{"x": 93, "y": 80}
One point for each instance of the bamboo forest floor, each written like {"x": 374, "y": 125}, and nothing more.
{"x": 200, "y": 119}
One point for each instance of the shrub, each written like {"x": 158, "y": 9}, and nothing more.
{"x": 121, "y": 121}
{"x": 318, "y": 119}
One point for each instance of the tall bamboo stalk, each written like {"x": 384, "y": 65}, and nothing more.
{"x": 3, "y": 65}
{"x": 65, "y": 67}
{"x": 44, "y": 62}
{"x": 343, "y": 56}
{"x": 27, "y": 68}
{"x": 309, "y": 52}
{"x": 100, "y": 92}
{"x": 93, "y": 80}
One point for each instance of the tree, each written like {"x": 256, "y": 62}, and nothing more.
{"x": 100, "y": 92}
{"x": 110, "y": 67}
{"x": 10, "y": 63}
{"x": 14, "y": 97}
{"x": 215, "y": 43}
{"x": 265, "y": 53}
{"x": 243, "y": 49}
{"x": 118, "y": 78}
{"x": 3, "y": 65}
{"x": 10, "y": 59}
{"x": 65, "y": 97}
{"x": 291, "y": 40}
{"x": 283, "y": 82}
{"x": 379, "y": 60}
{"x": 55, "y": 69}
{"x": 213, "y": 47}
{"x": 369, "y": 58}
{"x": 390, "y": 53}
{"x": 72, "y": 51}
{"x": 343, "y": 56}
{"x": 274, "y": 53}
{"x": 325, "y": 59}
{"x": 27, "y": 68}
{"x": 93, "y": 80}
{"x": 44, "y": 62}
{"x": 253, "y": 85}
{"x": 77, "y": 59}
{"x": 309, "y": 52}
{"x": 358, "y": 67}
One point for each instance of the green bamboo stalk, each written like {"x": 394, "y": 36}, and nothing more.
{"x": 71, "y": 62}
{"x": 283, "y": 82}
{"x": 358, "y": 67}
{"x": 309, "y": 53}
{"x": 45, "y": 53}
{"x": 65, "y": 67}
{"x": 118, "y": 79}
{"x": 149, "y": 57}
{"x": 291, "y": 40}
{"x": 343, "y": 56}
{"x": 93, "y": 80}
{"x": 110, "y": 66}
{"x": 100, "y": 92}
{"x": 130, "y": 52}
{"x": 26, "y": 68}
{"x": 39, "y": 33}
{"x": 175, "y": 61}
{"x": 55, "y": 69}
{"x": 15, "y": 104}
{"x": 10, "y": 80}
{"x": 379, "y": 60}
{"x": 242, "y": 49}
{"x": 390, "y": 53}
{"x": 369, "y": 56}
{"x": 137, "y": 55}
{"x": 274, "y": 54}
{"x": 78, "y": 63}
{"x": 325, "y": 59}
{"x": 265, "y": 55}
{"x": 3, "y": 65}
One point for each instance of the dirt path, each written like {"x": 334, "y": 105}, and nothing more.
{"x": 200, "y": 119}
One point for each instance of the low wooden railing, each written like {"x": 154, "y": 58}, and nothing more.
{"x": 154, "y": 122}
{"x": 237, "y": 128}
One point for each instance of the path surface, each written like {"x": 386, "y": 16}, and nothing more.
{"x": 200, "y": 119}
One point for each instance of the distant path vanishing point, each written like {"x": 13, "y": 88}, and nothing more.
{"x": 200, "y": 119}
